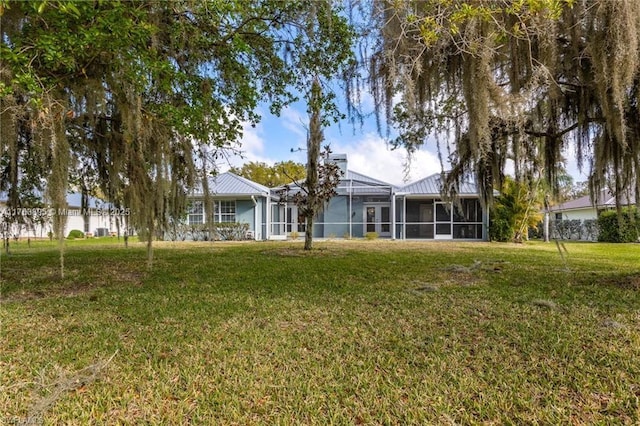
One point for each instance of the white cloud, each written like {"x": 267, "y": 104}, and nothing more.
{"x": 571, "y": 156}
{"x": 371, "y": 156}
{"x": 250, "y": 148}
{"x": 294, "y": 121}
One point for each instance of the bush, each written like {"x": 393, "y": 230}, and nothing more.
{"x": 231, "y": 231}
{"x": 75, "y": 233}
{"x": 500, "y": 230}
{"x": 294, "y": 235}
{"x": 371, "y": 235}
{"x": 613, "y": 231}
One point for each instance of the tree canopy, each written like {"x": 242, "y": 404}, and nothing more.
{"x": 281, "y": 173}
{"x": 524, "y": 80}
{"x": 139, "y": 96}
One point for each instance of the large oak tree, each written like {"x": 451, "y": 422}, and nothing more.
{"x": 525, "y": 80}
{"x": 139, "y": 96}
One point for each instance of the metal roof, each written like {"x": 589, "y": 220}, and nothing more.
{"x": 432, "y": 185}
{"x": 359, "y": 184}
{"x": 231, "y": 184}
{"x": 604, "y": 199}
{"x": 359, "y": 177}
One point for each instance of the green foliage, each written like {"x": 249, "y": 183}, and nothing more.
{"x": 371, "y": 236}
{"x": 513, "y": 82}
{"x": 500, "y": 226}
{"x": 75, "y": 233}
{"x": 516, "y": 209}
{"x": 141, "y": 116}
{"x": 623, "y": 228}
{"x": 281, "y": 173}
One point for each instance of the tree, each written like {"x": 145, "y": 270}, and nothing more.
{"x": 281, "y": 173}
{"x": 514, "y": 79}
{"x": 150, "y": 108}
{"x": 316, "y": 68}
{"x": 517, "y": 208}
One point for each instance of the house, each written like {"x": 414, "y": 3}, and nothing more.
{"x": 234, "y": 199}
{"x": 423, "y": 214}
{"x": 366, "y": 205}
{"x": 576, "y": 219}
{"x": 584, "y": 208}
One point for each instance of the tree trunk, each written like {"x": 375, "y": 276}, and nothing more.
{"x": 151, "y": 230}
{"x": 61, "y": 250}
{"x": 313, "y": 153}
{"x": 545, "y": 227}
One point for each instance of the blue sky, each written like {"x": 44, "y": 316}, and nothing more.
{"x": 273, "y": 138}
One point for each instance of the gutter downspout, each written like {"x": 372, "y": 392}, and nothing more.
{"x": 255, "y": 217}
{"x": 267, "y": 226}
{"x": 350, "y": 209}
{"x": 393, "y": 214}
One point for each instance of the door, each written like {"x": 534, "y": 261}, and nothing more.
{"x": 443, "y": 221}
{"x": 378, "y": 219}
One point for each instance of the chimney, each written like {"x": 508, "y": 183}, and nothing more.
{"x": 341, "y": 161}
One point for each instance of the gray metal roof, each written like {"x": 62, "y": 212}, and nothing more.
{"x": 230, "y": 184}
{"x": 358, "y": 183}
{"x": 355, "y": 176}
{"x": 604, "y": 200}
{"x": 432, "y": 185}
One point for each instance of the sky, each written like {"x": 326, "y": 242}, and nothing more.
{"x": 280, "y": 138}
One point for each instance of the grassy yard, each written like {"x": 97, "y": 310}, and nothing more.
{"x": 360, "y": 332}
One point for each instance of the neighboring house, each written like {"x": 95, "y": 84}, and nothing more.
{"x": 576, "y": 219}
{"x": 235, "y": 199}
{"x": 584, "y": 208}
{"x": 98, "y": 218}
{"x": 365, "y": 205}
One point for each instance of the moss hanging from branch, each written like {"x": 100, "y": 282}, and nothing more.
{"x": 528, "y": 80}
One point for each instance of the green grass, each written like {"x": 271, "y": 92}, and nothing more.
{"x": 357, "y": 332}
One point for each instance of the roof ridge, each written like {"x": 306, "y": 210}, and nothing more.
{"x": 249, "y": 182}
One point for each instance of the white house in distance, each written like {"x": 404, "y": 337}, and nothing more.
{"x": 97, "y": 219}
{"x": 577, "y": 219}
{"x": 584, "y": 208}
{"x": 362, "y": 205}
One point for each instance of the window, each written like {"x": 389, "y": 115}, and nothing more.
{"x": 558, "y": 216}
{"x": 195, "y": 213}
{"x": 300, "y": 224}
{"x": 469, "y": 210}
{"x": 467, "y": 220}
{"x": 224, "y": 211}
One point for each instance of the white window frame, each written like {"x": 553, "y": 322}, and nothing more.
{"x": 195, "y": 211}
{"x": 225, "y": 210}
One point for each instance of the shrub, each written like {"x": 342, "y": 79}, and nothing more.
{"x": 75, "y": 233}
{"x": 231, "y": 231}
{"x": 614, "y": 231}
{"x": 294, "y": 235}
{"x": 590, "y": 229}
{"x": 500, "y": 230}
{"x": 371, "y": 235}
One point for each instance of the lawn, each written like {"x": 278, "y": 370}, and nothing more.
{"x": 354, "y": 332}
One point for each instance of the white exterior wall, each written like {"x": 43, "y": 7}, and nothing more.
{"x": 577, "y": 214}
{"x": 74, "y": 221}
